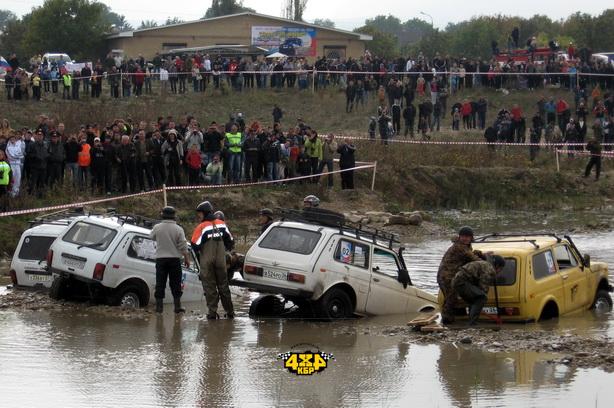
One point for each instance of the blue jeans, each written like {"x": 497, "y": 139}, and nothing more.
{"x": 74, "y": 170}
{"x": 234, "y": 167}
{"x": 329, "y": 168}
{"x": 271, "y": 171}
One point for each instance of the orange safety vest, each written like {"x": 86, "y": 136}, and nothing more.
{"x": 85, "y": 159}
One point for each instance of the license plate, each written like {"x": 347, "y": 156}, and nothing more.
{"x": 279, "y": 275}
{"x": 75, "y": 263}
{"x": 490, "y": 310}
{"x": 39, "y": 278}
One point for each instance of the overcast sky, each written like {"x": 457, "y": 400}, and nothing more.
{"x": 347, "y": 14}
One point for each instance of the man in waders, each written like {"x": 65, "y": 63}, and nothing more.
{"x": 171, "y": 245}
{"x": 211, "y": 239}
{"x": 472, "y": 281}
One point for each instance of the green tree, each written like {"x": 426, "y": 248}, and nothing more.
{"x": 324, "y": 22}
{"x": 383, "y": 44}
{"x": 604, "y": 29}
{"x": 147, "y": 24}
{"x": 116, "y": 21}
{"x": 72, "y": 26}
{"x": 11, "y": 39}
{"x": 5, "y": 17}
{"x": 225, "y": 7}
{"x": 174, "y": 20}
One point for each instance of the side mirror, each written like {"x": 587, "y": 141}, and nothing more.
{"x": 404, "y": 278}
{"x": 587, "y": 260}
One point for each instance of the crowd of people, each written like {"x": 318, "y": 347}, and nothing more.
{"x": 127, "y": 157}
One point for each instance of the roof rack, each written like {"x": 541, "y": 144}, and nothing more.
{"x": 131, "y": 219}
{"x": 493, "y": 238}
{"x": 327, "y": 218}
{"x": 58, "y": 218}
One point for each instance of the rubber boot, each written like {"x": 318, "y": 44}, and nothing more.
{"x": 474, "y": 313}
{"x": 178, "y": 308}
{"x": 159, "y": 305}
{"x": 212, "y": 316}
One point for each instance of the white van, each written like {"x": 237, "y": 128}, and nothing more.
{"x": 112, "y": 259}
{"x": 314, "y": 258}
{"x": 57, "y": 57}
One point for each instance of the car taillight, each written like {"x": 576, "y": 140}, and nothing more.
{"x": 252, "y": 270}
{"x": 13, "y": 276}
{"x": 512, "y": 311}
{"x": 49, "y": 258}
{"x": 99, "y": 271}
{"x": 296, "y": 277}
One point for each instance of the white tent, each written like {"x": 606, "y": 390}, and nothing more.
{"x": 277, "y": 55}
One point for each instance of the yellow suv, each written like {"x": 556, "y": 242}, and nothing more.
{"x": 545, "y": 276}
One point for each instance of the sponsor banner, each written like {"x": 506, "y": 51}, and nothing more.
{"x": 291, "y": 41}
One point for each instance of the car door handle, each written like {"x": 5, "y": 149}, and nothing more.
{"x": 565, "y": 277}
{"x": 375, "y": 280}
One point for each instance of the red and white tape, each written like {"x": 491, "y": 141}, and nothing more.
{"x": 465, "y": 142}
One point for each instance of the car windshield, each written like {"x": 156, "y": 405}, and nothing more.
{"x": 90, "y": 235}
{"x": 293, "y": 240}
{"x": 34, "y": 248}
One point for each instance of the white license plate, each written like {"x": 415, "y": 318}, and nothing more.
{"x": 279, "y": 275}
{"x": 73, "y": 262}
{"x": 490, "y": 310}
{"x": 39, "y": 278}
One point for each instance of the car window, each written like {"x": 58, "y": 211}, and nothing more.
{"x": 385, "y": 262}
{"x": 96, "y": 236}
{"x": 543, "y": 265}
{"x": 352, "y": 253}
{"x": 293, "y": 240}
{"x": 564, "y": 258}
{"x": 142, "y": 248}
{"x": 35, "y": 248}
{"x": 507, "y": 276}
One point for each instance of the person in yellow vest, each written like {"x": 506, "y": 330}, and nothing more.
{"x": 84, "y": 160}
{"x": 36, "y": 86}
{"x": 5, "y": 181}
{"x": 67, "y": 81}
{"x": 234, "y": 145}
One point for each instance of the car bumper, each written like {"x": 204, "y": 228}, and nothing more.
{"x": 69, "y": 275}
{"x": 257, "y": 287}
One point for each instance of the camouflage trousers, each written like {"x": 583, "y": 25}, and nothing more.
{"x": 449, "y": 294}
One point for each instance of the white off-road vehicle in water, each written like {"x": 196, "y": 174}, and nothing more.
{"x": 316, "y": 260}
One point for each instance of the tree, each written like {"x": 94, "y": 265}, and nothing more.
{"x": 11, "y": 39}
{"x": 174, "y": 20}
{"x": 116, "y": 21}
{"x": 295, "y": 9}
{"x": 324, "y": 22}
{"x": 5, "y": 17}
{"x": 226, "y": 7}
{"x": 72, "y": 26}
{"x": 147, "y": 24}
{"x": 383, "y": 44}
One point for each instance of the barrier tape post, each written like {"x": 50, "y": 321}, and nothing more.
{"x": 164, "y": 195}
{"x": 558, "y": 164}
{"x": 374, "y": 172}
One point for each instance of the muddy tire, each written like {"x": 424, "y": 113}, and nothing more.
{"x": 335, "y": 304}
{"x": 603, "y": 302}
{"x": 128, "y": 296}
{"x": 59, "y": 288}
{"x": 266, "y": 306}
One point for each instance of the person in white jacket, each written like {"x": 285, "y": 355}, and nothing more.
{"x": 16, "y": 153}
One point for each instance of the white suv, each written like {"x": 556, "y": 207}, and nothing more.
{"x": 112, "y": 259}
{"x": 316, "y": 259}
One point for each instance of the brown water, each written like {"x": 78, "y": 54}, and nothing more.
{"x": 76, "y": 359}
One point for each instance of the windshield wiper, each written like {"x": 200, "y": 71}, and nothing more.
{"x": 94, "y": 245}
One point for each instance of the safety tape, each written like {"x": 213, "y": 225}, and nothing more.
{"x": 607, "y": 155}
{"x": 175, "y": 188}
{"x": 466, "y": 143}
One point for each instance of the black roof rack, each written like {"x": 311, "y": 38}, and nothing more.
{"x": 327, "y": 218}
{"x": 64, "y": 217}
{"x": 59, "y": 217}
{"x": 493, "y": 238}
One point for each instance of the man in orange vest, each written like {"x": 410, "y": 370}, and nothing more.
{"x": 84, "y": 159}
{"x": 211, "y": 239}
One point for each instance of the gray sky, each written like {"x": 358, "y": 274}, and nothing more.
{"x": 347, "y": 14}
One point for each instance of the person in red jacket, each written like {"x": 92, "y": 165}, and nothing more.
{"x": 562, "y": 114}
{"x": 139, "y": 79}
{"x": 466, "y": 114}
{"x": 194, "y": 161}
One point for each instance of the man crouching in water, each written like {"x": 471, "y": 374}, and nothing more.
{"x": 459, "y": 254}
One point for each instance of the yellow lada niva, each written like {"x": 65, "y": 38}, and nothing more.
{"x": 545, "y": 276}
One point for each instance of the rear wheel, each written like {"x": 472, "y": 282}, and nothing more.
{"x": 266, "y": 306}
{"x": 58, "y": 290}
{"x": 603, "y": 302}
{"x": 335, "y": 304}
{"x": 129, "y": 296}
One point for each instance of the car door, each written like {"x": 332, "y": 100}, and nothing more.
{"x": 386, "y": 293}
{"x": 351, "y": 262}
{"x": 575, "y": 282}
{"x": 546, "y": 281}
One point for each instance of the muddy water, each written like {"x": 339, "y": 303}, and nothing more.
{"x": 87, "y": 359}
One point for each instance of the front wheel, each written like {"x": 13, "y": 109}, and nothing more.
{"x": 603, "y": 302}
{"x": 128, "y": 297}
{"x": 58, "y": 290}
{"x": 335, "y": 304}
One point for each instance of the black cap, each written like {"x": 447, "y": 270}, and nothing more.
{"x": 219, "y": 215}
{"x": 267, "y": 212}
{"x": 498, "y": 261}
{"x": 466, "y": 231}
{"x": 168, "y": 213}
{"x": 205, "y": 207}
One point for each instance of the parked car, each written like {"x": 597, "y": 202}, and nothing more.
{"x": 317, "y": 260}
{"x": 545, "y": 276}
{"x": 112, "y": 259}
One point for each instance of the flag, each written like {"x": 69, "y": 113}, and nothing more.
{"x": 4, "y": 64}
